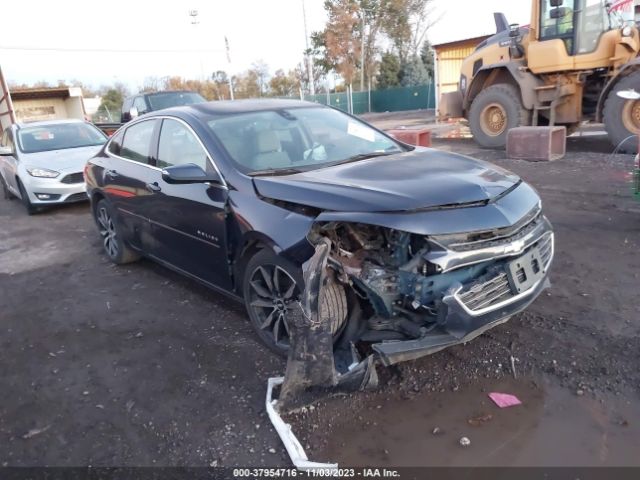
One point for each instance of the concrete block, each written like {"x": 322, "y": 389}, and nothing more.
{"x": 541, "y": 144}
{"x": 417, "y": 137}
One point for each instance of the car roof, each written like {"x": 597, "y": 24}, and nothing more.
{"x": 232, "y": 107}
{"x": 46, "y": 123}
{"x": 150, "y": 94}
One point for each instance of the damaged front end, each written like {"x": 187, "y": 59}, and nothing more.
{"x": 413, "y": 294}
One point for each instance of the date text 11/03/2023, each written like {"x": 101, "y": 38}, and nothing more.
{"x": 315, "y": 473}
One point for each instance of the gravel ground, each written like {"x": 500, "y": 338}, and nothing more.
{"x": 109, "y": 366}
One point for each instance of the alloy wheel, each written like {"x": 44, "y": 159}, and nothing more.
{"x": 273, "y": 294}
{"x": 494, "y": 119}
{"x": 108, "y": 232}
{"x": 631, "y": 116}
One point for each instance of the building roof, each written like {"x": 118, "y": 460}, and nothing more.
{"x": 37, "y": 93}
{"x": 460, "y": 43}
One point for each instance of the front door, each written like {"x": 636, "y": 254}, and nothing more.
{"x": 189, "y": 220}
{"x": 9, "y": 164}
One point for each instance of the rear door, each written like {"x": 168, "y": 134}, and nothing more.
{"x": 129, "y": 178}
{"x": 189, "y": 220}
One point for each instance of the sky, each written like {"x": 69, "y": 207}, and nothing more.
{"x": 126, "y": 41}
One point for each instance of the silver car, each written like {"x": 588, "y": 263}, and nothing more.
{"x": 42, "y": 163}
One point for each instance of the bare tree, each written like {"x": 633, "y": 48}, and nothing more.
{"x": 261, "y": 70}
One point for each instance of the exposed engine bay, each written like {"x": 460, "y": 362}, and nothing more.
{"x": 438, "y": 290}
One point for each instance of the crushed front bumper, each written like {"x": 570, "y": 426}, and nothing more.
{"x": 469, "y": 311}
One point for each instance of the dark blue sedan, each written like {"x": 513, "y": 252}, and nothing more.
{"x": 428, "y": 249}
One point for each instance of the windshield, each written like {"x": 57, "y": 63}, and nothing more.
{"x": 298, "y": 139}
{"x": 160, "y": 101}
{"x": 59, "y": 136}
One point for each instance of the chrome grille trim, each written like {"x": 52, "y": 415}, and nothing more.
{"x": 478, "y": 298}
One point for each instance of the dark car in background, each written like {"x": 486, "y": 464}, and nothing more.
{"x": 137, "y": 105}
{"x": 428, "y": 248}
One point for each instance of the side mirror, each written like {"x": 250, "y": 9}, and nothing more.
{"x": 557, "y": 3}
{"x": 6, "y": 151}
{"x": 133, "y": 113}
{"x": 189, "y": 173}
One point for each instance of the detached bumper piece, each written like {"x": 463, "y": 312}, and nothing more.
{"x": 469, "y": 310}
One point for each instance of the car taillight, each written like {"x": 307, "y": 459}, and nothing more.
{"x": 86, "y": 172}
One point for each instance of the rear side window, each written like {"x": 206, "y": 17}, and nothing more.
{"x": 115, "y": 146}
{"x": 136, "y": 145}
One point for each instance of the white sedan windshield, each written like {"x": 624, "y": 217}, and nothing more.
{"x": 58, "y": 137}
{"x": 298, "y": 138}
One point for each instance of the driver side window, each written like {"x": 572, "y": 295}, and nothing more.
{"x": 557, "y": 21}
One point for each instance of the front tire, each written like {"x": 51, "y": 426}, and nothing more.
{"x": 24, "y": 197}
{"x": 494, "y": 112}
{"x": 6, "y": 193}
{"x": 622, "y": 117}
{"x": 110, "y": 232}
{"x": 272, "y": 286}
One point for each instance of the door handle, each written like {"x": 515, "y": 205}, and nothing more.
{"x": 153, "y": 187}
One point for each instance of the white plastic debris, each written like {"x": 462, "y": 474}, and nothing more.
{"x": 291, "y": 444}
{"x": 465, "y": 442}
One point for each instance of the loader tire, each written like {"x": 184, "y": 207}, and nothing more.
{"x": 494, "y": 112}
{"x": 622, "y": 117}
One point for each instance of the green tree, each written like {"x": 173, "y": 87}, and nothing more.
{"x": 389, "y": 75}
{"x": 426, "y": 55}
{"x": 112, "y": 98}
{"x": 414, "y": 73}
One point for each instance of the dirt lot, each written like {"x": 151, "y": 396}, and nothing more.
{"x": 101, "y": 365}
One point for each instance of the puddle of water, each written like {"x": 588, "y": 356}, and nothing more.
{"x": 553, "y": 427}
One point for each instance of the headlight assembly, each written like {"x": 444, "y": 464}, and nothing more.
{"x": 42, "y": 172}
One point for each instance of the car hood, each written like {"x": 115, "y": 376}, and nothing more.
{"x": 68, "y": 159}
{"x": 421, "y": 179}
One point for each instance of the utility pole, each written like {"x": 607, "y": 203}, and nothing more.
{"x": 362, "y": 53}
{"x": 195, "y": 22}
{"x": 309, "y": 62}
{"x": 226, "y": 44}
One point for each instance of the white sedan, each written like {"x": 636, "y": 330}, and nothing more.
{"x": 42, "y": 163}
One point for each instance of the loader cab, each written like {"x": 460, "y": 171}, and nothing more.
{"x": 572, "y": 35}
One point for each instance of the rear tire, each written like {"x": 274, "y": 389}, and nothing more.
{"x": 622, "y": 117}
{"x": 24, "y": 197}
{"x": 494, "y": 112}
{"x": 111, "y": 233}
{"x": 272, "y": 286}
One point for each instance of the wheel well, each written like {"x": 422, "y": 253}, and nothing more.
{"x": 487, "y": 78}
{"x": 248, "y": 250}
{"x": 609, "y": 87}
{"x": 95, "y": 198}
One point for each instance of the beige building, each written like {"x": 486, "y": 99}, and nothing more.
{"x": 35, "y": 104}
{"x": 449, "y": 57}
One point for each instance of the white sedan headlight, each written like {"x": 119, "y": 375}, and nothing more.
{"x": 42, "y": 172}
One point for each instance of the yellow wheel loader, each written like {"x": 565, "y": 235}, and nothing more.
{"x": 566, "y": 67}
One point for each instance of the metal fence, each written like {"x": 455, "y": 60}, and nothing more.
{"x": 389, "y": 100}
